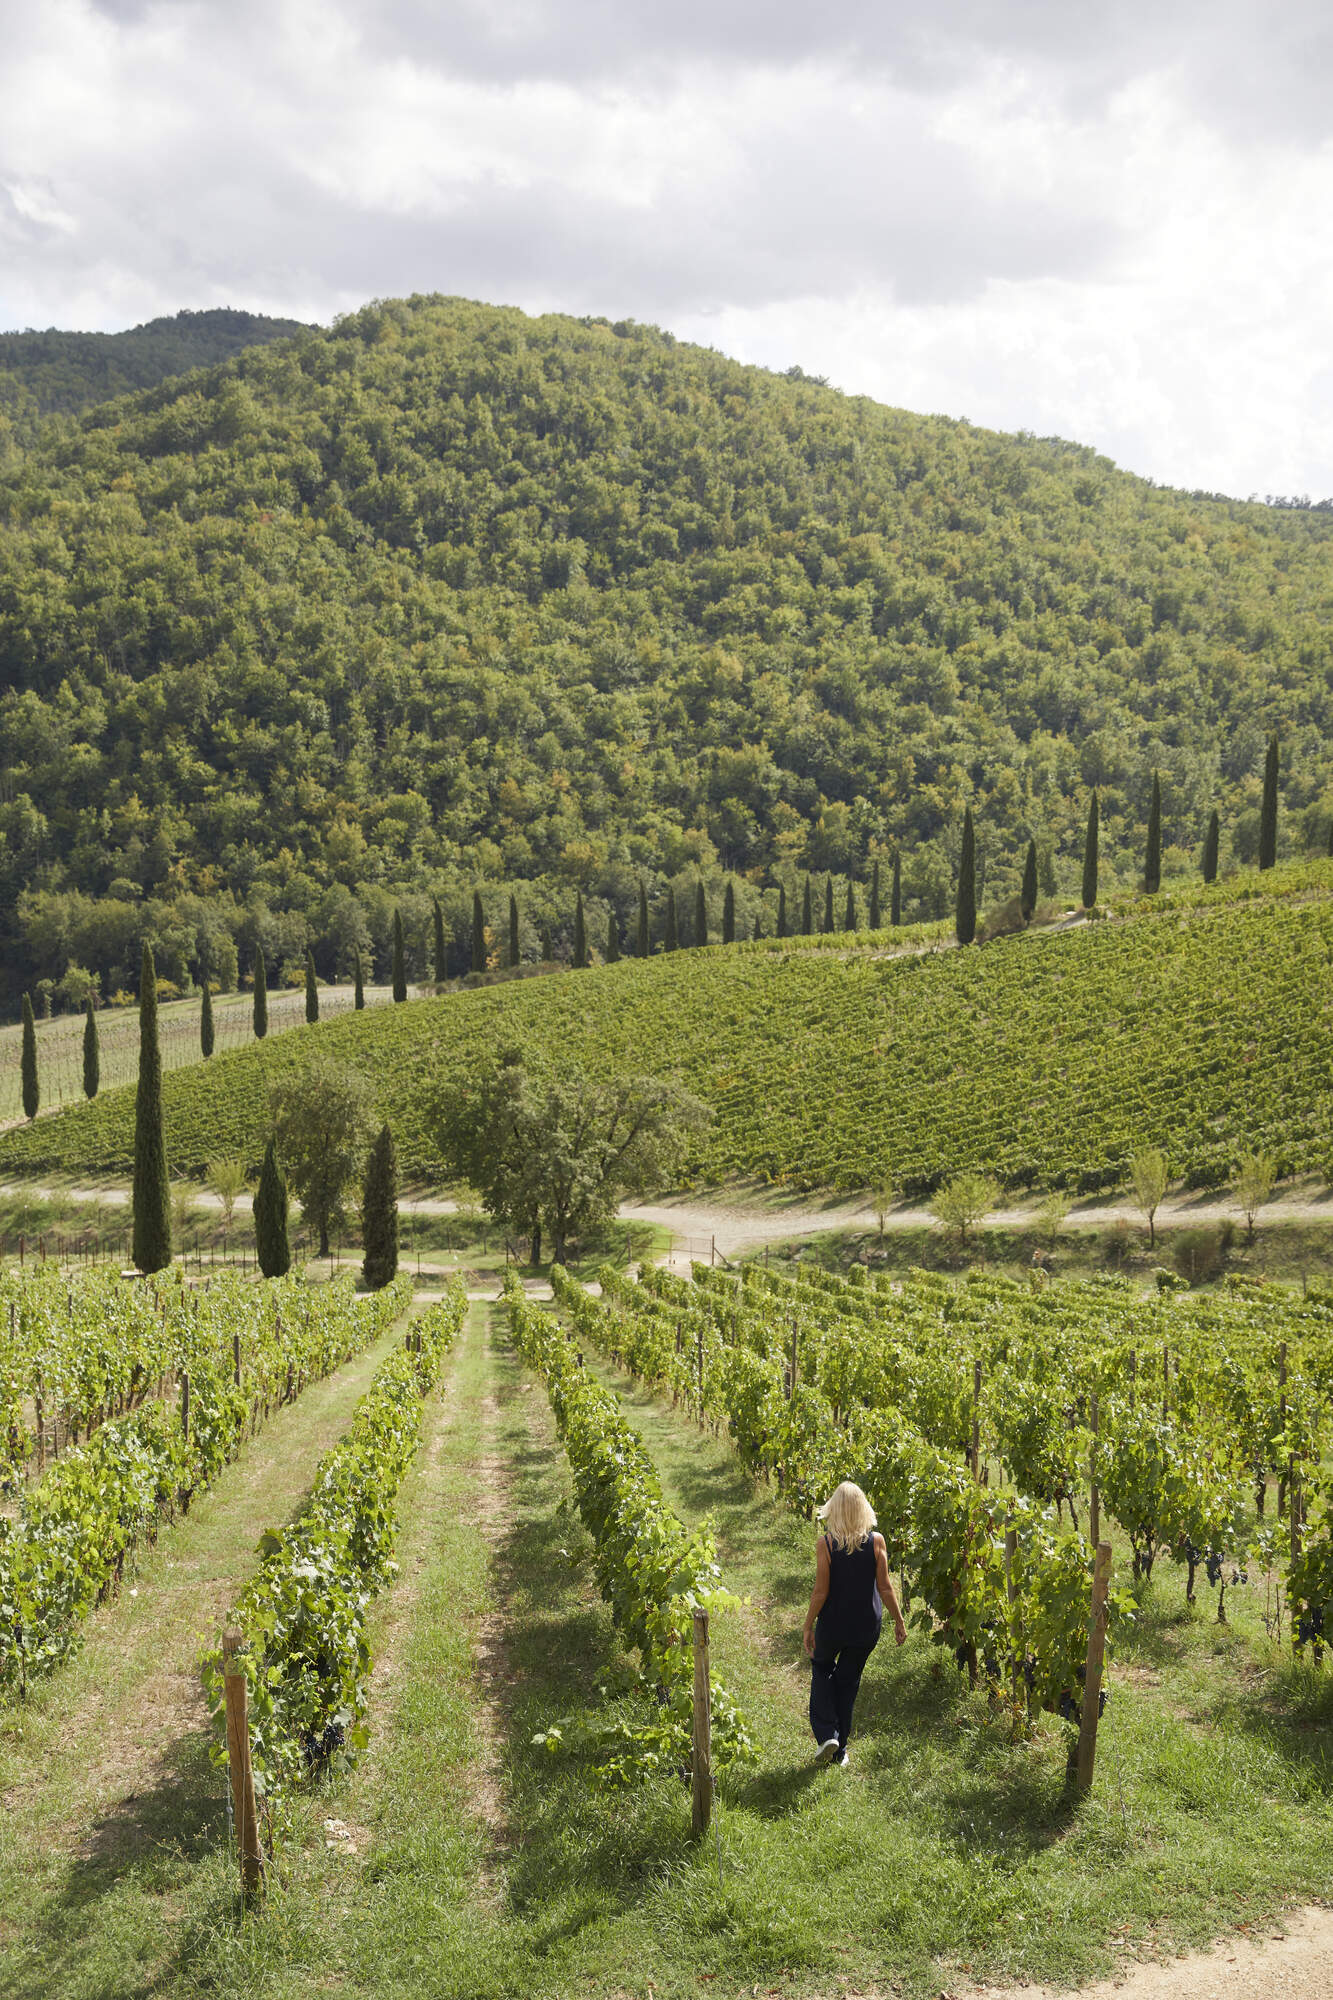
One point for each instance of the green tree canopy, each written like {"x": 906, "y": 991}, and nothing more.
{"x": 322, "y": 1121}
{"x": 557, "y": 1151}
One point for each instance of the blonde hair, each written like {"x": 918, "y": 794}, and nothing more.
{"x": 848, "y": 1516}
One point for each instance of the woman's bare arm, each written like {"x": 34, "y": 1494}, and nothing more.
{"x": 886, "y": 1590}
{"x": 817, "y": 1595}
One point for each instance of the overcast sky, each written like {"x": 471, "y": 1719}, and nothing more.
{"x": 1110, "y": 222}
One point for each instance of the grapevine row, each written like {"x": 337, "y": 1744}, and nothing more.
{"x": 303, "y": 1616}
{"x": 651, "y": 1570}
{"x": 1000, "y": 1582}
{"x": 67, "y": 1546}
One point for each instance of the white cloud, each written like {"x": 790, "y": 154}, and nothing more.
{"x": 990, "y": 207}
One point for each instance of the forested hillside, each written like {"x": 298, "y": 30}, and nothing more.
{"x": 45, "y": 372}
{"x": 449, "y": 595}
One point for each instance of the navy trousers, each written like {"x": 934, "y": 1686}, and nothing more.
{"x": 835, "y": 1676}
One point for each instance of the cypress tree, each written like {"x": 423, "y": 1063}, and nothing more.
{"x": 1268, "y": 813}
{"x": 92, "y": 1054}
{"x": 965, "y": 916}
{"x": 729, "y": 914}
{"x": 478, "y": 933}
{"x": 441, "y": 956}
{"x": 1330, "y": 834}
{"x": 32, "y": 1095}
{"x": 358, "y": 983}
{"x": 1211, "y": 841}
{"x": 700, "y": 914}
{"x": 807, "y": 911}
{"x": 399, "y": 958}
{"x": 206, "y": 1033}
{"x": 271, "y": 1245}
{"x": 874, "y": 896}
{"x": 612, "y": 939}
{"x": 379, "y": 1214}
{"x": 896, "y": 893}
{"x": 759, "y": 920}
{"x": 261, "y": 995}
{"x": 1090, "y": 856}
{"x": 828, "y": 906}
{"x": 782, "y": 910}
{"x": 849, "y": 915}
{"x": 311, "y": 987}
{"x": 580, "y": 933}
{"x": 671, "y": 942}
{"x": 548, "y": 955}
{"x": 515, "y": 942}
{"x": 644, "y": 943}
{"x": 152, "y": 1189}
{"x": 1152, "y": 861}
{"x": 1029, "y": 894}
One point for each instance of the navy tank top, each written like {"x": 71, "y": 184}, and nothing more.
{"x": 853, "y": 1610}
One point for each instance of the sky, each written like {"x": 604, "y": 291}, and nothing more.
{"x": 1104, "y": 222}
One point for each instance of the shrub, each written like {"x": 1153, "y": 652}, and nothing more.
{"x": 1198, "y": 1254}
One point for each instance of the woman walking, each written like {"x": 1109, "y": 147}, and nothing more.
{"x": 842, "y": 1626}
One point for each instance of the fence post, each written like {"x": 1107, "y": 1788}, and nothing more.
{"x": 1095, "y": 1501}
{"x": 1011, "y": 1594}
{"x": 244, "y": 1812}
{"x": 1092, "y": 1674}
{"x": 701, "y": 1769}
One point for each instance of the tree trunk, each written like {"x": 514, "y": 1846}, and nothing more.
{"x": 535, "y": 1238}
{"x": 323, "y": 1237}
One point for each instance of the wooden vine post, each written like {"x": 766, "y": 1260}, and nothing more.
{"x": 701, "y": 1765}
{"x": 236, "y": 1359}
{"x": 185, "y": 1406}
{"x": 1092, "y": 1675}
{"x": 1011, "y": 1592}
{"x": 976, "y": 1423}
{"x": 244, "y": 1812}
{"x": 1095, "y": 1493}
{"x": 795, "y": 1359}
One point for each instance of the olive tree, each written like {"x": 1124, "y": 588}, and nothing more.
{"x": 1254, "y": 1184}
{"x": 962, "y": 1202}
{"x": 1148, "y": 1178}
{"x": 227, "y": 1179}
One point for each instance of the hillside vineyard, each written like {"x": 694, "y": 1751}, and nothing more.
{"x": 1049, "y": 1059}
{"x": 448, "y": 595}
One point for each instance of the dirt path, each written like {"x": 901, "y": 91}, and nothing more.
{"x": 731, "y": 1221}
{"x": 699, "y": 1224}
{"x": 1298, "y": 1966}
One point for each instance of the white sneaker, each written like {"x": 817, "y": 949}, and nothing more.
{"x": 827, "y": 1751}
{"x": 842, "y": 1760}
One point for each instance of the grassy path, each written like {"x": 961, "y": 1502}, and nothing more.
{"x": 108, "y": 1795}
